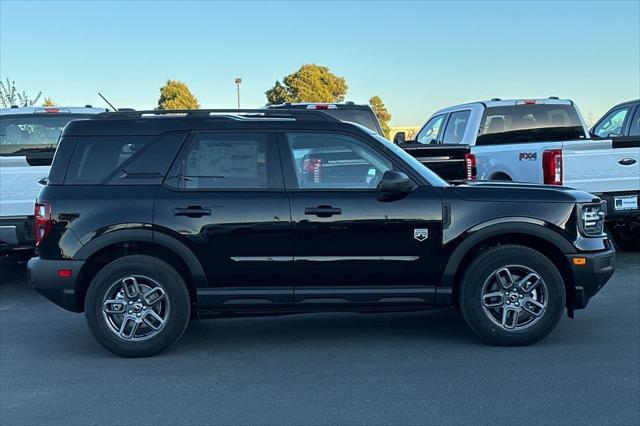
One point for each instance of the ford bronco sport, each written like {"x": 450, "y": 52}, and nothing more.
{"x": 151, "y": 218}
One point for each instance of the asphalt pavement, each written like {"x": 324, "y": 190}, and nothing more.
{"x": 409, "y": 368}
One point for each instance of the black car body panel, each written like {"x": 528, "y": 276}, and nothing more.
{"x": 281, "y": 248}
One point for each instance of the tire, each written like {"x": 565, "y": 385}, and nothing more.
{"x": 152, "y": 319}
{"x": 532, "y": 323}
{"x": 625, "y": 238}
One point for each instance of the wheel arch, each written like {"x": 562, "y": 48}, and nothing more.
{"x": 104, "y": 249}
{"x": 536, "y": 236}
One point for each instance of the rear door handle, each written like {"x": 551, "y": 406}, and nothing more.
{"x": 322, "y": 211}
{"x": 627, "y": 161}
{"x": 191, "y": 211}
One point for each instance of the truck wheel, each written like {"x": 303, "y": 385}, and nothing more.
{"x": 512, "y": 295}
{"x": 626, "y": 238}
{"x": 137, "y": 306}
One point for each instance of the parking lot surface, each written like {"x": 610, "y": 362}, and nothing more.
{"x": 409, "y": 368}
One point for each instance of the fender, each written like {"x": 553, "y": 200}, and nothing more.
{"x": 147, "y": 236}
{"x": 493, "y": 228}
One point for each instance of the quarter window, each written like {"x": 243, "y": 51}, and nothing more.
{"x": 333, "y": 161}
{"x": 225, "y": 161}
{"x": 456, "y": 127}
{"x": 429, "y": 133}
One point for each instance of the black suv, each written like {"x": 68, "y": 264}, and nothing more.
{"x": 152, "y": 218}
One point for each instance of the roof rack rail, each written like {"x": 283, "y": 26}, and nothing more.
{"x": 296, "y": 114}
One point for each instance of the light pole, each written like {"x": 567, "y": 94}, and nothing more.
{"x": 238, "y": 81}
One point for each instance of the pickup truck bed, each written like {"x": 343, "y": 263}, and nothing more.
{"x": 450, "y": 161}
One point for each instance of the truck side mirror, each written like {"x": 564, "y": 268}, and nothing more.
{"x": 399, "y": 138}
{"x": 395, "y": 182}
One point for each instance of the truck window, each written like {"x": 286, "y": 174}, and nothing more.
{"x": 612, "y": 124}
{"x": 363, "y": 117}
{"x": 529, "y": 123}
{"x": 635, "y": 124}
{"x": 456, "y": 126}
{"x": 430, "y": 131}
{"x": 21, "y": 132}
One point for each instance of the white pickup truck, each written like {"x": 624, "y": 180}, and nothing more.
{"x": 28, "y": 138}
{"x": 546, "y": 141}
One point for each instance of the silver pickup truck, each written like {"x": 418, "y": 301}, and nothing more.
{"x": 546, "y": 141}
{"x": 28, "y": 139}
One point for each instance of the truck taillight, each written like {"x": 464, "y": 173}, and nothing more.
{"x": 552, "y": 166}
{"x": 470, "y": 163}
{"x": 322, "y": 106}
{"x": 42, "y": 219}
{"x": 312, "y": 170}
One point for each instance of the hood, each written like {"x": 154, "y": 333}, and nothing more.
{"x": 516, "y": 191}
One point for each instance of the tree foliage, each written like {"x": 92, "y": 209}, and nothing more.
{"x": 10, "y": 95}
{"x": 311, "y": 83}
{"x": 383, "y": 114}
{"x": 48, "y": 102}
{"x": 176, "y": 95}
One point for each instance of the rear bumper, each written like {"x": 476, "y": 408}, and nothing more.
{"x": 43, "y": 276}
{"x": 592, "y": 276}
{"x": 16, "y": 233}
{"x": 612, "y": 214}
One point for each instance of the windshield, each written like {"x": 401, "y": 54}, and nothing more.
{"x": 529, "y": 123}
{"x": 362, "y": 117}
{"x": 423, "y": 170}
{"x": 22, "y": 132}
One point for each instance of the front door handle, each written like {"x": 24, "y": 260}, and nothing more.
{"x": 322, "y": 211}
{"x": 191, "y": 211}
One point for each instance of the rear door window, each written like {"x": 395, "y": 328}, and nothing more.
{"x": 526, "y": 123}
{"x": 456, "y": 127}
{"x": 222, "y": 161}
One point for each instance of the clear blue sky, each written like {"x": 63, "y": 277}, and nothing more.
{"x": 417, "y": 56}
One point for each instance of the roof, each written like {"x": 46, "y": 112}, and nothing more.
{"x": 155, "y": 122}
{"x": 52, "y": 110}
{"x": 330, "y": 105}
{"x": 497, "y": 102}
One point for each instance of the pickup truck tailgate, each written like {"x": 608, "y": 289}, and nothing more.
{"x": 598, "y": 166}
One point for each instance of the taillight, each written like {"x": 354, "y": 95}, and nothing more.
{"x": 470, "y": 162}
{"x": 311, "y": 169}
{"x": 552, "y": 166}
{"x": 322, "y": 106}
{"x": 42, "y": 218}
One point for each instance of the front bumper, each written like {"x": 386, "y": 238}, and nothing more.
{"x": 43, "y": 276}
{"x": 592, "y": 276}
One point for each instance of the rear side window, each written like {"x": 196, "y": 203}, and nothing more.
{"x": 225, "y": 161}
{"x": 122, "y": 160}
{"x": 529, "y": 123}
{"x": 456, "y": 126}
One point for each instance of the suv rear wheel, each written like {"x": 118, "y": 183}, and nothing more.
{"x": 137, "y": 306}
{"x": 512, "y": 295}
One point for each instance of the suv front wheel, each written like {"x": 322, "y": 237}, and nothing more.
{"x": 512, "y": 295}
{"x": 137, "y": 306}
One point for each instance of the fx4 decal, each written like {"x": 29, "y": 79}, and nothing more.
{"x": 528, "y": 156}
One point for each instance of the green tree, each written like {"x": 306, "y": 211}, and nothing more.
{"x": 382, "y": 113}
{"x": 311, "y": 83}
{"x": 10, "y": 95}
{"x": 176, "y": 95}
{"x": 48, "y": 102}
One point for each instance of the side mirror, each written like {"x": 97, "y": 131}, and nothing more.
{"x": 399, "y": 138}
{"x": 395, "y": 182}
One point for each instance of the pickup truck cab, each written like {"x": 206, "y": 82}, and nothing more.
{"x": 621, "y": 124}
{"x": 28, "y": 139}
{"x": 542, "y": 141}
{"x": 150, "y": 218}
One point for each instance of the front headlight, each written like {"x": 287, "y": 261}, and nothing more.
{"x": 591, "y": 219}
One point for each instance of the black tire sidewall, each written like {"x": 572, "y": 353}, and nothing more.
{"x": 487, "y": 263}
{"x": 169, "y": 279}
